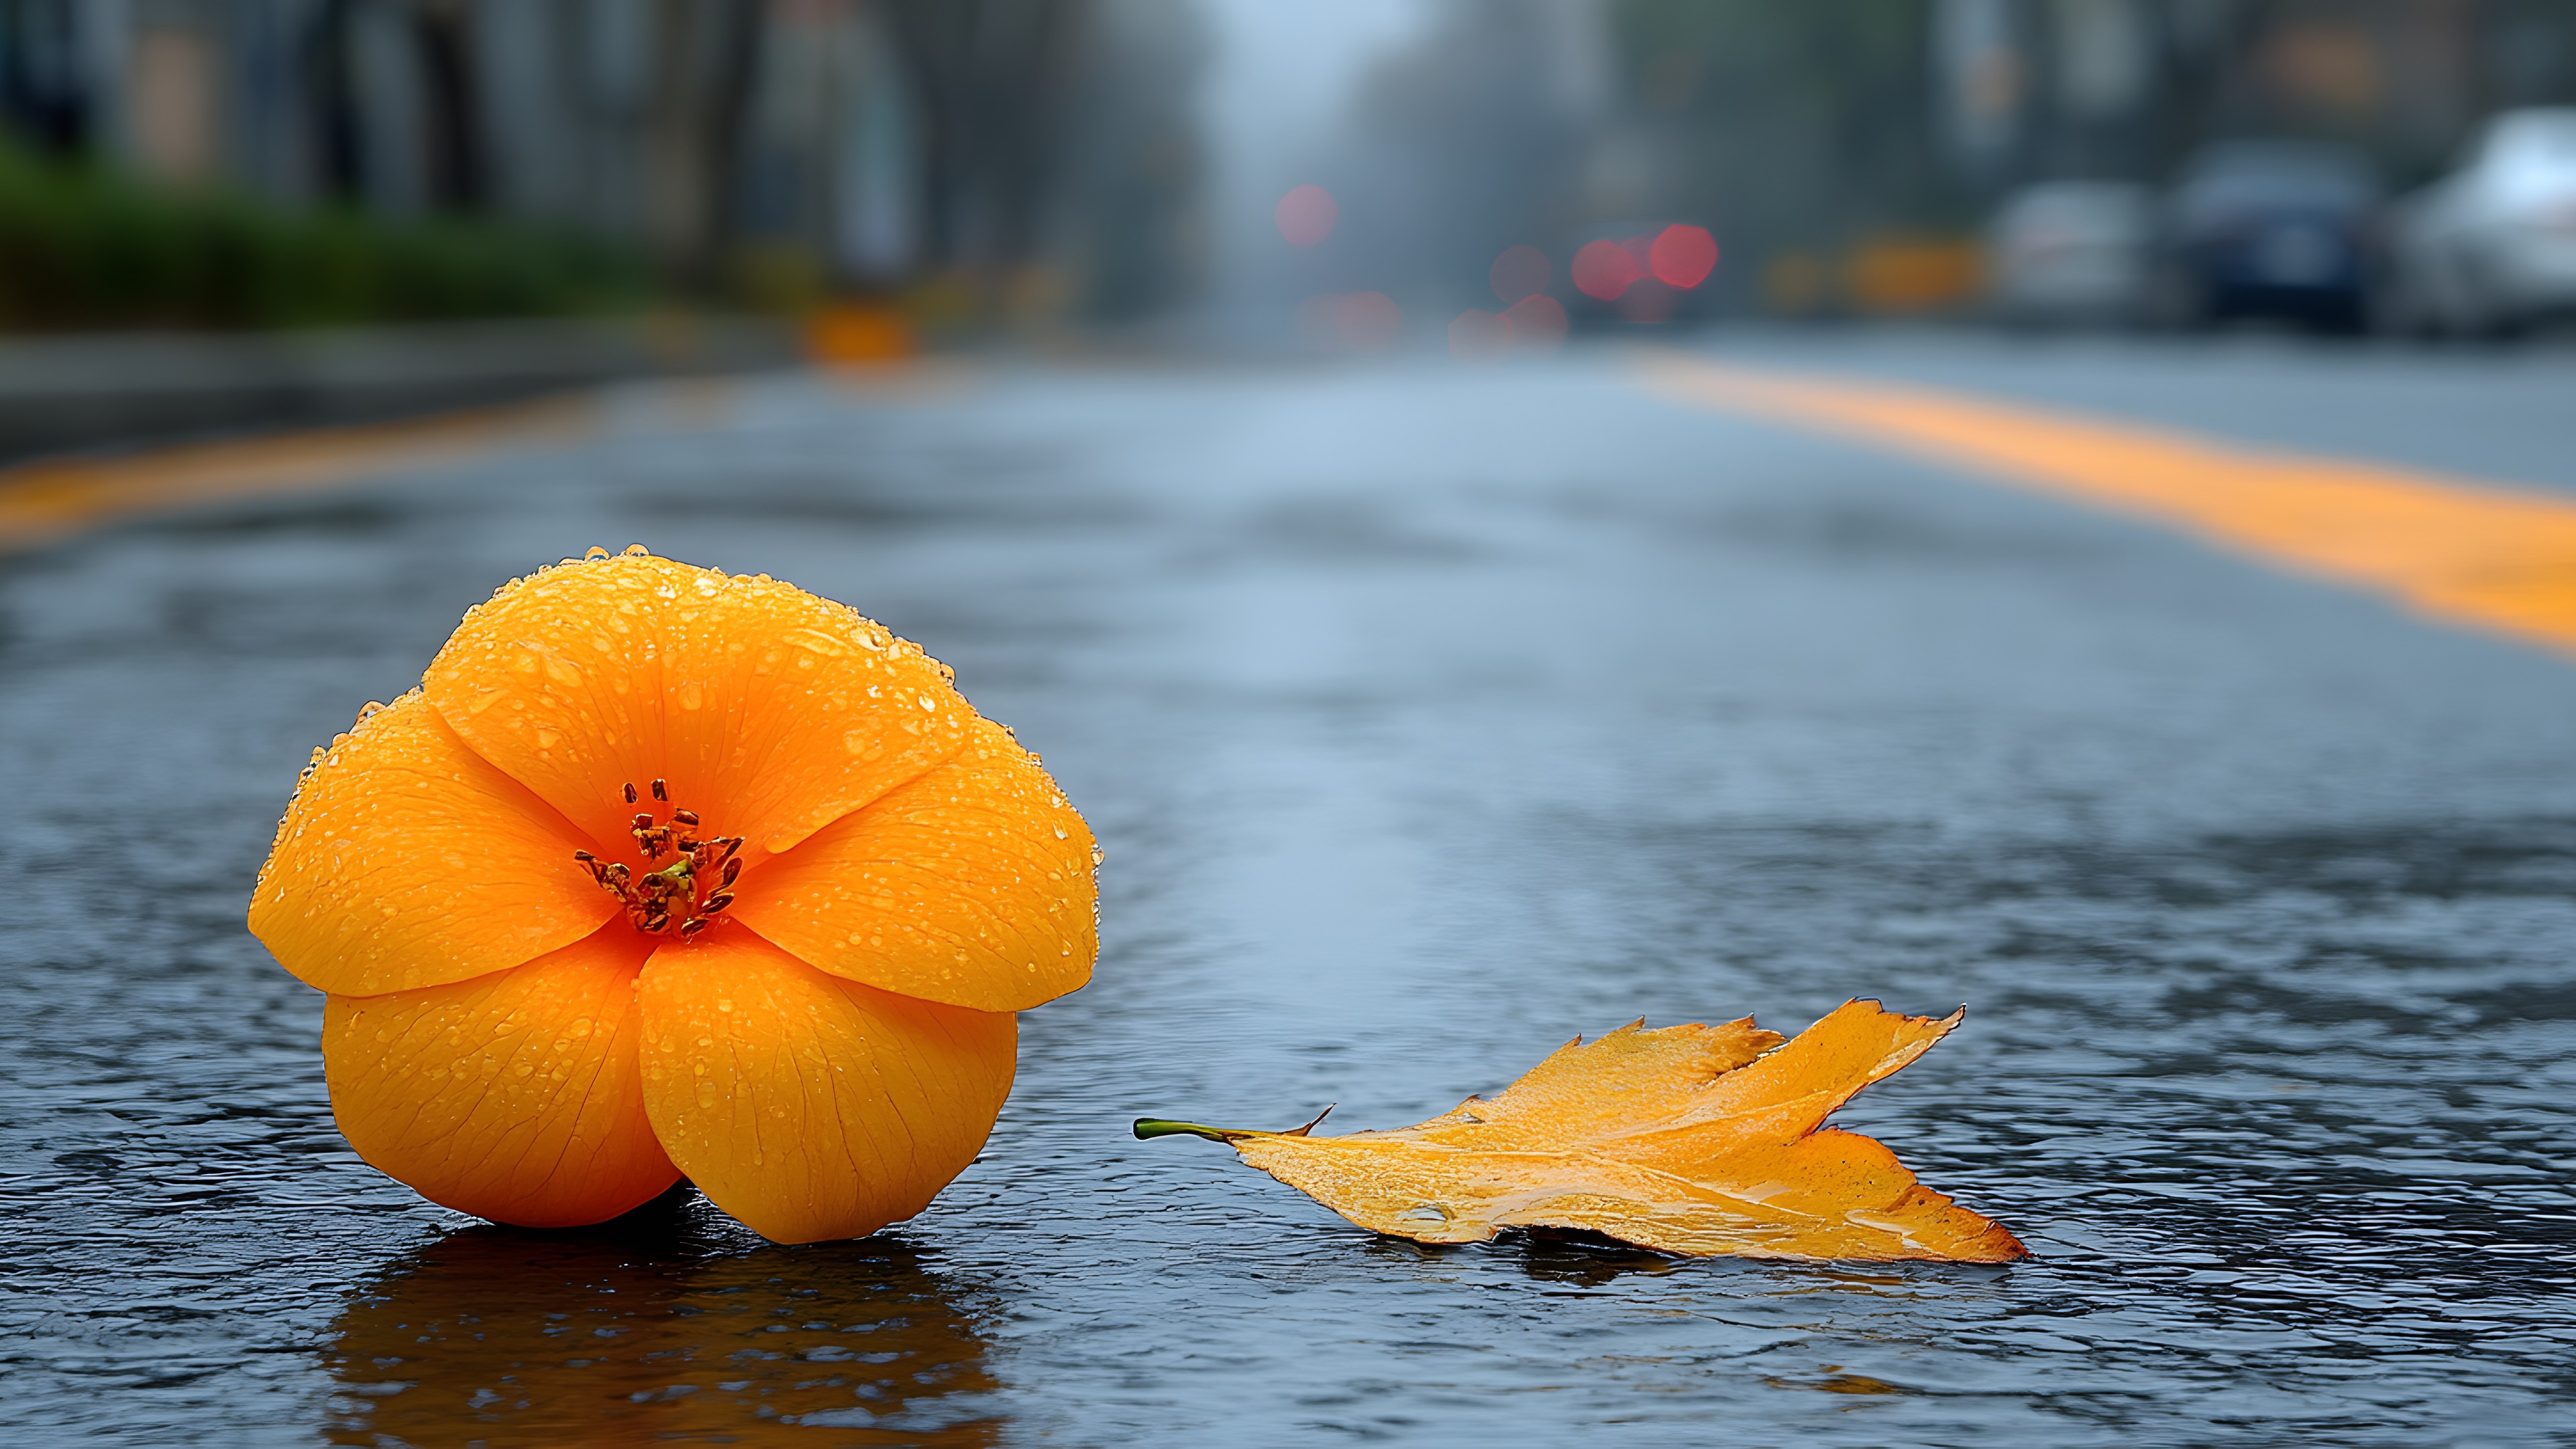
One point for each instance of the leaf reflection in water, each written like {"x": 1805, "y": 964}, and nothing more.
{"x": 666, "y": 1325}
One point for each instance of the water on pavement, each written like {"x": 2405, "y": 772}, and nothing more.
{"x": 1428, "y": 718}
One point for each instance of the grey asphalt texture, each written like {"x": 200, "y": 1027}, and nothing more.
{"x": 1429, "y": 716}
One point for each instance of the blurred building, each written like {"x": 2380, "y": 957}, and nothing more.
{"x": 1784, "y": 129}
{"x": 778, "y": 148}
{"x": 2036, "y": 88}
{"x": 1804, "y": 134}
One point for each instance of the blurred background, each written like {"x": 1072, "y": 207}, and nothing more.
{"x": 889, "y": 170}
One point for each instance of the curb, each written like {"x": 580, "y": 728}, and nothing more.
{"x": 60, "y": 394}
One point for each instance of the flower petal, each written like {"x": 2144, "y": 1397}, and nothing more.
{"x": 514, "y": 1097}
{"x": 971, "y": 886}
{"x": 770, "y": 711}
{"x": 407, "y": 861}
{"x": 807, "y": 1106}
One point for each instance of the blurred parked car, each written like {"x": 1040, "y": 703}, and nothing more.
{"x": 2072, "y": 252}
{"x": 2492, "y": 247}
{"x": 2273, "y": 228}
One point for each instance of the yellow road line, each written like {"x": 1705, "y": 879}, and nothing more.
{"x": 2454, "y": 548}
{"x": 46, "y": 500}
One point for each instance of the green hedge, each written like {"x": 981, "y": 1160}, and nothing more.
{"x": 83, "y": 247}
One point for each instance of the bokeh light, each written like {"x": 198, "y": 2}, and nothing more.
{"x": 1683, "y": 256}
{"x": 1519, "y": 272}
{"x": 1605, "y": 269}
{"x": 1306, "y": 215}
{"x": 1537, "y": 322}
{"x": 1355, "y": 321}
{"x": 1477, "y": 335}
{"x": 1648, "y": 300}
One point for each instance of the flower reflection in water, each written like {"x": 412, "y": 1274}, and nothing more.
{"x": 668, "y": 1325}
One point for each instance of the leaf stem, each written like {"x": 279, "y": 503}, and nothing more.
{"x": 1148, "y": 1128}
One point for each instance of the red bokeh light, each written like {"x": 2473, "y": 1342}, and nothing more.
{"x": 1604, "y": 269}
{"x": 1519, "y": 272}
{"x": 1649, "y": 301}
{"x": 1537, "y": 321}
{"x": 1367, "y": 321}
{"x": 1683, "y": 256}
{"x": 1306, "y": 215}
{"x": 1476, "y": 335}
{"x": 1355, "y": 321}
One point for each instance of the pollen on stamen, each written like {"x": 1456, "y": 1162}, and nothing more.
{"x": 690, "y": 891}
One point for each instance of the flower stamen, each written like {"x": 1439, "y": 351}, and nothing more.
{"x": 692, "y": 890}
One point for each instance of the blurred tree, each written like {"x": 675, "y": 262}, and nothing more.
{"x": 1132, "y": 170}
{"x": 43, "y": 82}
{"x": 990, "y": 77}
{"x": 1787, "y": 128}
{"x": 1478, "y": 135}
{"x": 1026, "y": 146}
{"x": 1472, "y": 136}
{"x": 331, "y": 93}
{"x": 449, "y": 89}
{"x": 705, "y": 60}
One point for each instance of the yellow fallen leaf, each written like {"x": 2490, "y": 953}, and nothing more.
{"x": 1687, "y": 1139}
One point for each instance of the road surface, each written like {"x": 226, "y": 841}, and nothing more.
{"x": 1429, "y": 716}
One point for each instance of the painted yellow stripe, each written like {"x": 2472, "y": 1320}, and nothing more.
{"x": 47, "y": 500}
{"x": 2454, "y": 548}
{"x": 42, "y": 501}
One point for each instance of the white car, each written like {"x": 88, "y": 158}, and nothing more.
{"x": 2492, "y": 247}
{"x": 2072, "y": 252}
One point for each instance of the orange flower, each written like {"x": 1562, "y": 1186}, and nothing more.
{"x": 663, "y": 872}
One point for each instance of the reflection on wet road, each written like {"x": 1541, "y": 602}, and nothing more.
{"x": 666, "y": 1325}
{"x": 1428, "y": 717}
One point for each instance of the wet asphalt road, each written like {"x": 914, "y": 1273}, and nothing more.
{"x": 1428, "y": 717}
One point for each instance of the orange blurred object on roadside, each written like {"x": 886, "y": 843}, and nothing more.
{"x": 1902, "y": 274}
{"x": 664, "y": 872}
{"x": 1605, "y": 269}
{"x": 1306, "y": 215}
{"x": 1683, "y": 256}
{"x": 847, "y": 336}
{"x": 1519, "y": 272}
